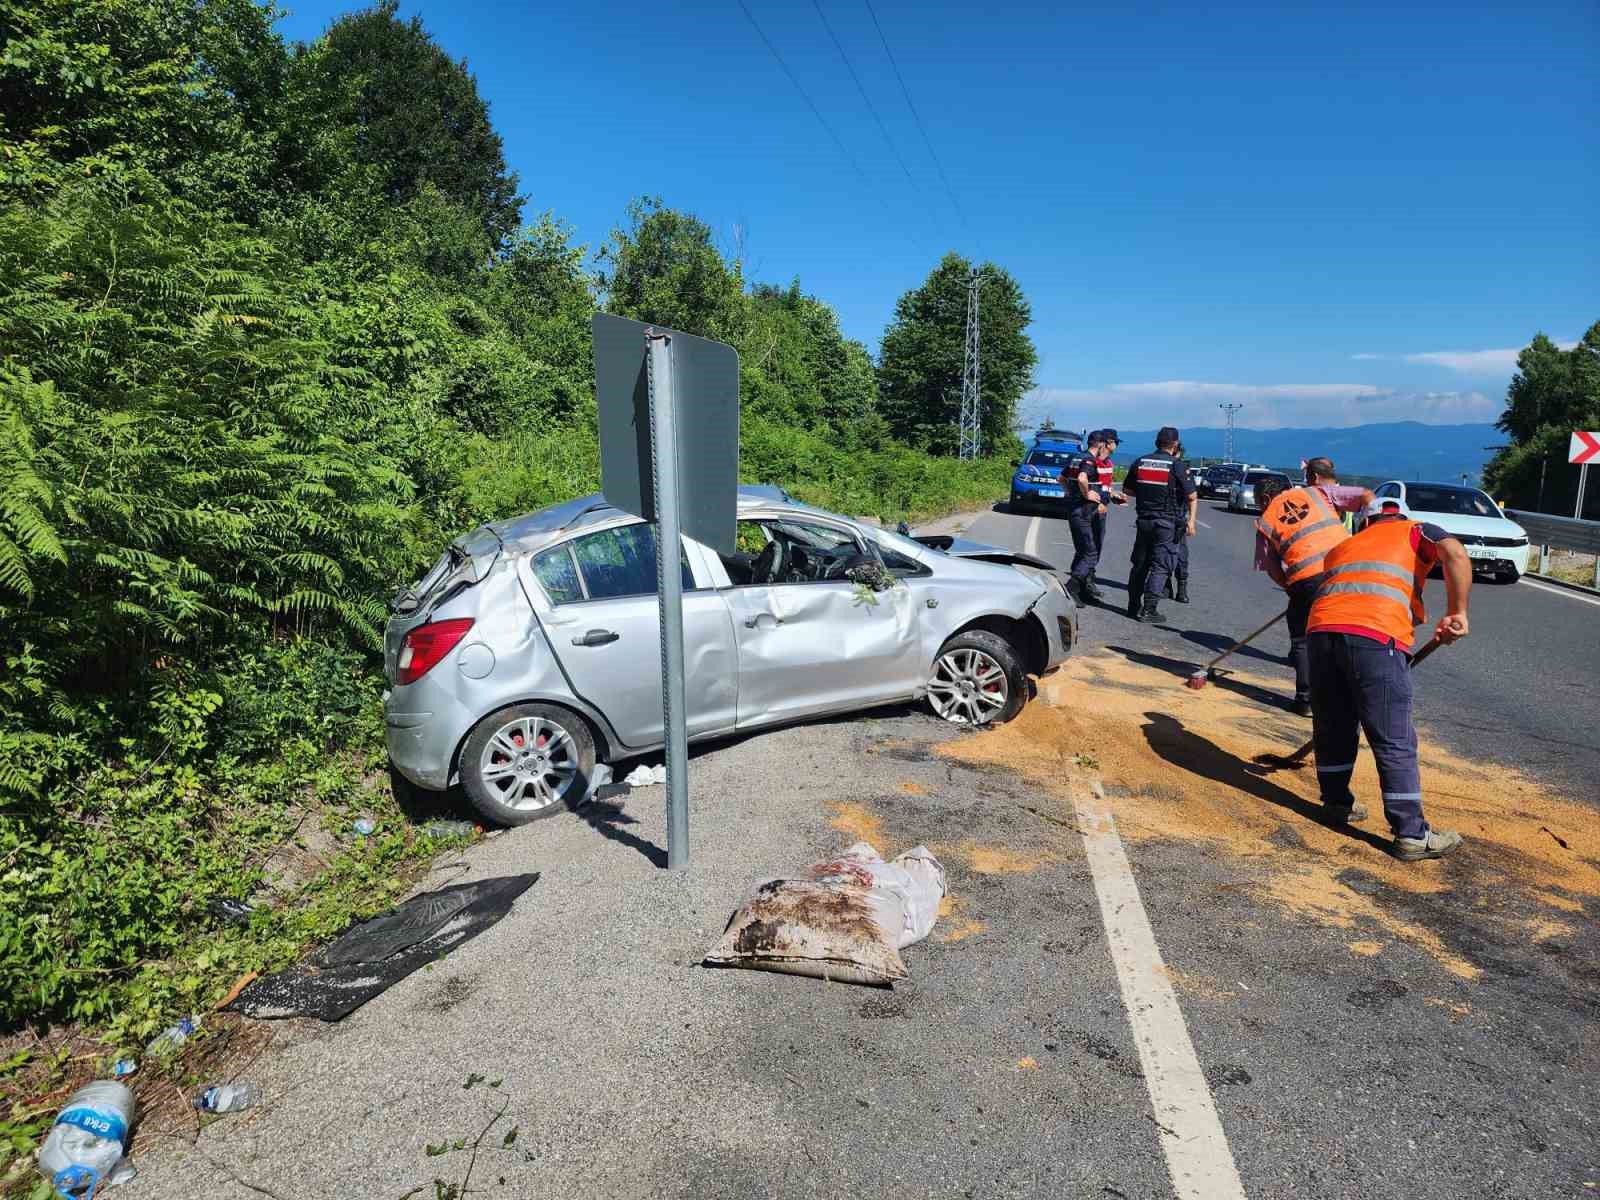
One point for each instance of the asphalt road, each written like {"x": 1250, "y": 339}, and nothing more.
{"x": 1428, "y": 1031}
{"x": 1522, "y": 691}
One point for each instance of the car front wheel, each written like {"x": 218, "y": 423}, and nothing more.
{"x": 527, "y": 762}
{"x": 977, "y": 680}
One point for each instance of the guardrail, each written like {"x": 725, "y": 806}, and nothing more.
{"x": 1562, "y": 533}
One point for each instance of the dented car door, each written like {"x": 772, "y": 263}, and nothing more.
{"x": 809, "y": 641}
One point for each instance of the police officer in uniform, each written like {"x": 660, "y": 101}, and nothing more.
{"x": 1086, "y": 505}
{"x": 1164, "y": 497}
{"x": 1178, "y": 582}
{"x": 1107, "y": 475}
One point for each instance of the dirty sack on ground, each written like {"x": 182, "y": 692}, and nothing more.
{"x": 371, "y": 957}
{"x": 844, "y": 919}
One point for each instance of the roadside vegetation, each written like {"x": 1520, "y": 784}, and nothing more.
{"x": 1554, "y": 392}
{"x": 274, "y": 325}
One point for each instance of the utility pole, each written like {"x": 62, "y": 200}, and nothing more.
{"x": 967, "y": 430}
{"x": 1227, "y": 441}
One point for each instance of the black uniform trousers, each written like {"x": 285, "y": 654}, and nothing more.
{"x": 1099, "y": 534}
{"x": 1180, "y": 561}
{"x": 1085, "y": 545}
{"x": 1154, "y": 552}
{"x": 1301, "y": 595}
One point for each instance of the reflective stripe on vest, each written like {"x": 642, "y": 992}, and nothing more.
{"x": 1370, "y": 581}
{"x": 1301, "y": 548}
{"x": 1152, "y": 470}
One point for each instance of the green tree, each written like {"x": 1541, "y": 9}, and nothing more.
{"x": 663, "y": 267}
{"x": 923, "y": 353}
{"x": 1554, "y": 392}
{"x": 390, "y": 107}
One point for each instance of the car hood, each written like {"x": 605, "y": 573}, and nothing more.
{"x": 1471, "y": 526}
{"x": 958, "y": 547}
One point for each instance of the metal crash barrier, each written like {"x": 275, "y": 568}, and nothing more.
{"x": 1561, "y": 533}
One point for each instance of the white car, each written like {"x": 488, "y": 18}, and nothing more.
{"x": 1496, "y": 545}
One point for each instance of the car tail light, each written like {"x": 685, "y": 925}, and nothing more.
{"x": 426, "y": 645}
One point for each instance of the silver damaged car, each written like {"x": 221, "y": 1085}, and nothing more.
{"x": 531, "y": 650}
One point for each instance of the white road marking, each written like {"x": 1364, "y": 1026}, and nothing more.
{"x": 1201, "y": 523}
{"x": 1030, "y": 544}
{"x": 1555, "y": 591}
{"x": 1198, "y": 1158}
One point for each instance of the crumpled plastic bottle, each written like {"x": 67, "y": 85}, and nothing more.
{"x": 84, "y": 1149}
{"x": 228, "y": 1097}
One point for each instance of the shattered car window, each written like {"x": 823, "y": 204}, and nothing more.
{"x": 559, "y": 575}
{"x": 622, "y": 562}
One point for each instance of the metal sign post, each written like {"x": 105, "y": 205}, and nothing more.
{"x": 669, "y": 591}
{"x": 1583, "y": 480}
{"x": 669, "y": 454}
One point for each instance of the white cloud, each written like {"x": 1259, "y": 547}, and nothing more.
{"x": 1471, "y": 362}
{"x": 1266, "y": 406}
{"x": 1367, "y": 357}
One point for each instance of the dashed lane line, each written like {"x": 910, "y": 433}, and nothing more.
{"x": 1198, "y": 1157}
{"x": 1030, "y": 544}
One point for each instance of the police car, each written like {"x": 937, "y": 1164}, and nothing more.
{"x": 1036, "y": 484}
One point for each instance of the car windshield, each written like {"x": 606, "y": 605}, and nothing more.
{"x": 900, "y": 543}
{"x": 1258, "y": 476}
{"x": 1049, "y": 458}
{"x": 1456, "y": 501}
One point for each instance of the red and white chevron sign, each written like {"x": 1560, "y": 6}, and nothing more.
{"x": 1585, "y": 448}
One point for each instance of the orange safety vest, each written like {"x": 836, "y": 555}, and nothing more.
{"x": 1302, "y": 527}
{"x": 1372, "y": 581}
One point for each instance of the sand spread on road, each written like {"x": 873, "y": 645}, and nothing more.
{"x": 1176, "y": 764}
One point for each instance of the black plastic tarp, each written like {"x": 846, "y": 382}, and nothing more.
{"x": 371, "y": 957}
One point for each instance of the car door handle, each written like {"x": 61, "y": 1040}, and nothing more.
{"x": 932, "y": 602}
{"x": 596, "y": 637}
{"x": 752, "y": 622}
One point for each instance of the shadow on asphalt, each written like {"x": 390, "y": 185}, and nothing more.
{"x": 1218, "y": 642}
{"x": 1190, "y": 752}
{"x": 607, "y": 818}
{"x": 1183, "y": 670}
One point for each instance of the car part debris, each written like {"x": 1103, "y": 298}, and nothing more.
{"x": 845, "y": 919}
{"x": 371, "y": 957}
{"x": 83, "y": 1152}
{"x": 1208, "y": 672}
{"x": 643, "y": 776}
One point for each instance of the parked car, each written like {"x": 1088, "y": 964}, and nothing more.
{"x": 1036, "y": 483}
{"x": 1242, "y": 493}
{"x": 1497, "y": 545}
{"x": 1218, "y": 479}
{"x": 530, "y": 651}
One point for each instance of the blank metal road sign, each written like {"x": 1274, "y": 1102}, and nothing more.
{"x": 705, "y": 389}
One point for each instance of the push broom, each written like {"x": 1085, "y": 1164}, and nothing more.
{"x": 1205, "y": 674}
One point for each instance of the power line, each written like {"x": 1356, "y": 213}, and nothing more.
{"x": 804, "y": 95}
{"x": 916, "y": 116}
{"x": 867, "y": 100}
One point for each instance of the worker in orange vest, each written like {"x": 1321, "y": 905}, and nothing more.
{"x": 1359, "y": 642}
{"x": 1298, "y": 526}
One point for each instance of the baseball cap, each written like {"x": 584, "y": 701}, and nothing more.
{"x": 1386, "y": 506}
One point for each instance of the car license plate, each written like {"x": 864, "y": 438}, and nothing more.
{"x": 1484, "y": 552}
{"x": 1052, "y": 493}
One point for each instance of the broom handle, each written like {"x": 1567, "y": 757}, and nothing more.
{"x": 1244, "y": 641}
{"x": 1415, "y": 659}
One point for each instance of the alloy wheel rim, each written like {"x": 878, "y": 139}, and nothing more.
{"x": 529, "y": 764}
{"x": 968, "y": 687}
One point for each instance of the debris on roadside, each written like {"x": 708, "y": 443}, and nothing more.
{"x": 232, "y": 912}
{"x": 363, "y": 826}
{"x": 124, "y": 1067}
{"x": 369, "y": 958}
{"x": 643, "y": 776}
{"x": 228, "y": 1097}
{"x": 84, "y": 1150}
{"x": 845, "y": 919}
{"x": 446, "y": 829}
{"x": 167, "y": 1042}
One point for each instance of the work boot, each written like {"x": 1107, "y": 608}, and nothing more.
{"x": 1434, "y": 843}
{"x": 1151, "y": 612}
{"x": 1302, "y": 708}
{"x": 1343, "y": 814}
{"x": 1092, "y": 594}
{"x": 1075, "y": 589}
{"x": 1183, "y": 594}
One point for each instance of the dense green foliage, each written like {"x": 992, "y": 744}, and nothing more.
{"x": 271, "y": 329}
{"x": 924, "y": 354}
{"x": 1554, "y": 392}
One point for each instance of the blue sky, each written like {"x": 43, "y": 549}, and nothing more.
{"x": 1330, "y": 214}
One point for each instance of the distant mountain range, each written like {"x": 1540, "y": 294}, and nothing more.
{"x": 1401, "y": 450}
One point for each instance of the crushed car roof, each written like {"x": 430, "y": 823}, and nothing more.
{"x": 536, "y": 528}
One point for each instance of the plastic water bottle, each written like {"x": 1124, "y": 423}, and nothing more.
{"x": 169, "y": 1040}
{"x": 84, "y": 1149}
{"x": 228, "y": 1097}
{"x": 364, "y": 826}
{"x": 444, "y": 829}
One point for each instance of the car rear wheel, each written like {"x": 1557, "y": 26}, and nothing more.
{"x": 977, "y": 680}
{"x": 527, "y": 762}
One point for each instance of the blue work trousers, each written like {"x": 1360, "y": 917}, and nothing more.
{"x": 1154, "y": 553}
{"x": 1361, "y": 684}
{"x": 1085, "y": 546}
